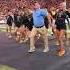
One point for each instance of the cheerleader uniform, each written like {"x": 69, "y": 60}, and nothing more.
{"x": 9, "y": 20}
{"x": 17, "y": 20}
{"x": 60, "y": 20}
{"x": 28, "y": 22}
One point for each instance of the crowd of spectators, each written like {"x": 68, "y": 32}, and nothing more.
{"x": 6, "y": 5}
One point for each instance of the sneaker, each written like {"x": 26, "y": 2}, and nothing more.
{"x": 31, "y": 50}
{"x": 57, "y": 43}
{"x": 9, "y": 36}
{"x": 21, "y": 41}
{"x": 61, "y": 52}
{"x": 17, "y": 39}
{"x": 46, "y": 49}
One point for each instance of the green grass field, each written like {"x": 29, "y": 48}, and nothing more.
{"x": 5, "y": 67}
{"x": 2, "y": 30}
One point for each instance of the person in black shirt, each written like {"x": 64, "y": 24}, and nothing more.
{"x": 61, "y": 15}
{"x": 17, "y": 20}
{"x": 9, "y": 23}
{"x": 24, "y": 26}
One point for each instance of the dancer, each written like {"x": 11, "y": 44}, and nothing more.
{"x": 61, "y": 28}
{"x": 9, "y": 24}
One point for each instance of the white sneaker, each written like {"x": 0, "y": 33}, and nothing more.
{"x": 57, "y": 43}
{"x": 9, "y": 36}
{"x": 21, "y": 41}
{"x": 46, "y": 49}
{"x": 31, "y": 50}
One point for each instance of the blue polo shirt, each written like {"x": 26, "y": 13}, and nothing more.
{"x": 38, "y": 17}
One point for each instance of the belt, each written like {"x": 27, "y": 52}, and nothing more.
{"x": 39, "y": 26}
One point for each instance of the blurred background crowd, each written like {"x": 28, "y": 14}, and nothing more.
{"x": 6, "y": 5}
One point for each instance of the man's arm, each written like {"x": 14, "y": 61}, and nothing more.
{"x": 47, "y": 15}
